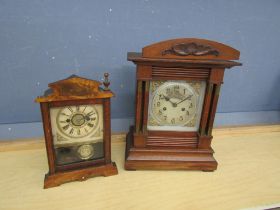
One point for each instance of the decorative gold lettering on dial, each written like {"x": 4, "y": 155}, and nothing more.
{"x": 77, "y": 121}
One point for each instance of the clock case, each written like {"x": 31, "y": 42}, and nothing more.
{"x": 187, "y": 59}
{"x": 68, "y": 92}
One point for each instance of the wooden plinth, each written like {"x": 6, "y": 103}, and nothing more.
{"x": 53, "y": 180}
{"x": 167, "y": 159}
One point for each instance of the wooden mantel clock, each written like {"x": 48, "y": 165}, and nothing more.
{"x": 178, "y": 85}
{"x": 76, "y": 121}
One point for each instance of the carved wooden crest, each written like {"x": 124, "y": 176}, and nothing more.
{"x": 74, "y": 87}
{"x": 185, "y": 49}
{"x": 190, "y": 49}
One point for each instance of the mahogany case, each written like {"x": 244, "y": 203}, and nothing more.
{"x": 71, "y": 92}
{"x": 178, "y": 59}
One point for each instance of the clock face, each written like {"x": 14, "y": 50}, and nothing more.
{"x": 77, "y": 132}
{"x": 77, "y": 121}
{"x": 175, "y": 105}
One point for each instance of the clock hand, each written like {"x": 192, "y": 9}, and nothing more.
{"x": 168, "y": 99}
{"x": 188, "y": 97}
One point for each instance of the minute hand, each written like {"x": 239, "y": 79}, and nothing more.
{"x": 184, "y": 99}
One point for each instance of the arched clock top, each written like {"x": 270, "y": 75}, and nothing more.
{"x": 75, "y": 87}
{"x": 190, "y": 48}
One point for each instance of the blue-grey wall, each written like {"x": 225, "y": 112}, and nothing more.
{"x": 42, "y": 41}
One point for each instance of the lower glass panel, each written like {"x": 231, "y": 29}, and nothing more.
{"x": 78, "y": 153}
{"x": 77, "y": 133}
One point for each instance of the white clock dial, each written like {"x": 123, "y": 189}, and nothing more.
{"x": 72, "y": 125}
{"x": 77, "y": 121}
{"x": 175, "y": 105}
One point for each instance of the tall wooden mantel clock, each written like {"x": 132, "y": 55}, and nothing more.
{"x": 77, "y": 127}
{"x": 178, "y": 85}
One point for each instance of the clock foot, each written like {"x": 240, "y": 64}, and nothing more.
{"x": 54, "y": 180}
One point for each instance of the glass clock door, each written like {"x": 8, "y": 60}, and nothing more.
{"x": 77, "y": 133}
{"x": 175, "y": 105}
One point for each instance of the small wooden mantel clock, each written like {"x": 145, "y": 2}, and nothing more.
{"x": 76, "y": 121}
{"x": 178, "y": 85}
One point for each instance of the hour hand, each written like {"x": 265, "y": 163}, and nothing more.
{"x": 166, "y": 97}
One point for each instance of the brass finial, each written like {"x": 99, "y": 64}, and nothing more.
{"x": 106, "y": 81}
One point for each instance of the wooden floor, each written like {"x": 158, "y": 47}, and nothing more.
{"x": 248, "y": 176}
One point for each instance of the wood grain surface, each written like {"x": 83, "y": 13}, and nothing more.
{"x": 247, "y": 177}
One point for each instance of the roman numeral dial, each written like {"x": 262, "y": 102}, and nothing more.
{"x": 77, "y": 121}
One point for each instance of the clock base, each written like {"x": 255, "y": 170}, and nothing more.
{"x": 137, "y": 158}
{"x": 54, "y": 180}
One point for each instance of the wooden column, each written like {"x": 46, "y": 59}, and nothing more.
{"x": 146, "y": 106}
{"x": 107, "y": 128}
{"x": 209, "y": 108}
{"x": 216, "y": 93}
{"x": 216, "y": 78}
{"x": 48, "y": 136}
{"x": 206, "y": 108}
{"x": 138, "y": 106}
